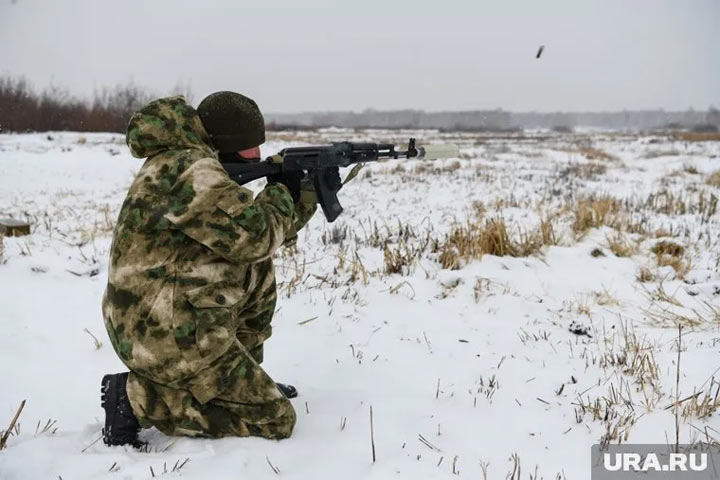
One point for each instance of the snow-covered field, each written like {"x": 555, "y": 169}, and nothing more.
{"x": 495, "y": 363}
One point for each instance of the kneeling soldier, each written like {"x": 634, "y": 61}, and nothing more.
{"x": 191, "y": 289}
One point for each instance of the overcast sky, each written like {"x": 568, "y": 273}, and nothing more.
{"x": 298, "y": 55}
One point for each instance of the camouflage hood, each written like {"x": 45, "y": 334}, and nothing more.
{"x": 166, "y": 124}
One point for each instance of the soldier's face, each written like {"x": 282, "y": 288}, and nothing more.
{"x": 250, "y": 153}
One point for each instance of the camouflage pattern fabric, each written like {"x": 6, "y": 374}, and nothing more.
{"x": 191, "y": 288}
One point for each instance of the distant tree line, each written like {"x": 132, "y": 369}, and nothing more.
{"x": 501, "y": 121}
{"x": 23, "y": 109}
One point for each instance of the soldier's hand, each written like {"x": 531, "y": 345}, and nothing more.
{"x": 331, "y": 178}
{"x": 291, "y": 180}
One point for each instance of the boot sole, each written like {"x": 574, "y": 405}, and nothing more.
{"x": 110, "y": 391}
{"x": 108, "y": 404}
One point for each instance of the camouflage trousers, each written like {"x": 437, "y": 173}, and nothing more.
{"x": 245, "y": 400}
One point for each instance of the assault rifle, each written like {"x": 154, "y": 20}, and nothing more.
{"x": 321, "y": 163}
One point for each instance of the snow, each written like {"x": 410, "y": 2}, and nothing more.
{"x": 470, "y": 361}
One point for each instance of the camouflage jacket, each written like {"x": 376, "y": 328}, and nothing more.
{"x": 188, "y": 239}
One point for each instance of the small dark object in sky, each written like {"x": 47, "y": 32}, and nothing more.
{"x": 540, "y": 50}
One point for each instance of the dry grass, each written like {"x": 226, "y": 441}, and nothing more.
{"x": 660, "y": 295}
{"x": 669, "y": 203}
{"x": 593, "y": 212}
{"x": 621, "y": 246}
{"x": 611, "y": 410}
{"x": 645, "y": 275}
{"x": 605, "y": 299}
{"x": 659, "y": 315}
{"x": 681, "y": 265}
{"x": 665, "y": 247}
{"x": 691, "y": 169}
{"x": 667, "y": 311}
{"x": 494, "y": 239}
{"x": 702, "y": 404}
{"x": 592, "y": 153}
{"x": 474, "y": 239}
{"x": 13, "y": 428}
{"x": 588, "y": 171}
{"x": 670, "y": 254}
{"x": 634, "y": 356}
{"x": 546, "y": 231}
{"x": 400, "y": 259}
{"x": 697, "y": 136}
{"x": 460, "y": 245}
{"x": 713, "y": 179}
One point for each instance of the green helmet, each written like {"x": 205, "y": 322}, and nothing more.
{"x": 232, "y": 120}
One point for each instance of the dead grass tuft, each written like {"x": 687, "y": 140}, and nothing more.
{"x": 713, "y": 179}
{"x": 645, "y": 275}
{"x": 588, "y": 171}
{"x": 479, "y": 208}
{"x": 592, "y": 153}
{"x": 473, "y": 239}
{"x": 605, "y": 298}
{"x": 665, "y": 247}
{"x": 681, "y": 265}
{"x": 702, "y": 404}
{"x": 621, "y": 246}
{"x": 399, "y": 259}
{"x": 671, "y": 254}
{"x": 495, "y": 240}
{"x": 690, "y": 169}
{"x": 594, "y": 212}
{"x": 461, "y": 244}
{"x": 670, "y": 313}
{"x": 546, "y": 230}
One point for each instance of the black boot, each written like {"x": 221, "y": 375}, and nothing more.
{"x": 121, "y": 426}
{"x": 288, "y": 390}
